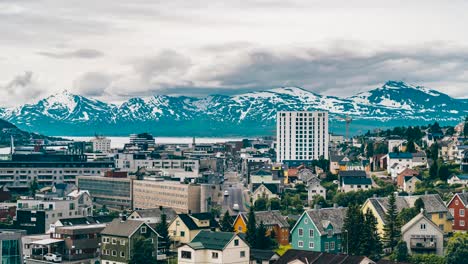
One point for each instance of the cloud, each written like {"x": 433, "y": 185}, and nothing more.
{"x": 80, "y": 54}
{"x": 21, "y": 89}
{"x": 92, "y": 84}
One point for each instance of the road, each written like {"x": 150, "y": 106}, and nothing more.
{"x": 235, "y": 189}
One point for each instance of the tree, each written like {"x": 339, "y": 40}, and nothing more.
{"x": 465, "y": 128}
{"x": 261, "y": 204}
{"x": 406, "y": 214}
{"x": 410, "y": 147}
{"x": 353, "y": 230}
{"x": 275, "y": 204}
{"x": 33, "y": 187}
{"x": 163, "y": 230}
{"x": 401, "y": 252}
{"x": 262, "y": 241}
{"x": 370, "y": 244}
{"x": 143, "y": 252}
{"x": 251, "y": 226}
{"x": 434, "y": 152}
{"x": 434, "y": 170}
{"x": 457, "y": 249}
{"x": 226, "y": 223}
{"x": 392, "y": 227}
{"x": 370, "y": 149}
{"x": 443, "y": 172}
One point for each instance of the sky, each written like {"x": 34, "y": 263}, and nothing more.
{"x": 113, "y": 50}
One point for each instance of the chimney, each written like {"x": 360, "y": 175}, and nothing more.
{"x": 316, "y": 207}
{"x": 335, "y": 205}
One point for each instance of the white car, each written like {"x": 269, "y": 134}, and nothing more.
{"x": 55, "y": 257}
{"x": 235, "y": 207}
{"x": 226, "y": 193}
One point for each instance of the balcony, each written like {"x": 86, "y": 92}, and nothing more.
{"x": 423, "y": 245}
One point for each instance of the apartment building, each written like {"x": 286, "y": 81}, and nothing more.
{"x": 183, "y": 198}
{"x": 169, "y": 167}
{"x": 36, "y": 215}
{"x": 301, "y": 135}
{"x": 47, "y": 169}
{"x": 114, "y": 193}
{"x": 101, "y": 144}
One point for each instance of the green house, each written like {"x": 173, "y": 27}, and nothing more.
{"x": 118, "y": 238}
{"x": 319, "y": 230}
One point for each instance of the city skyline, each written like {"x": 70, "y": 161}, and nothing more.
{"x": 113, "y": 50}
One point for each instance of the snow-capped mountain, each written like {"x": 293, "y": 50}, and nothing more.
{"x": 244, "y": 114}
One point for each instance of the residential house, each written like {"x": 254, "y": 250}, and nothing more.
{"x": 119, "y": 237}
{"x": 419, "y": 159}
{"x": 396, "y": 144}
{"x": 264, "y": 190}
{"x": 315, "y": 188}
{"x": 399, "y": 161}
{"x": 354, "y": 180}
{"x": 319, "y": 230}
{"x": 272, "y": 220}
{"x": 305, "y": 174}
{"x": 409, "y": 185}
{"x": 458, "y": 207}
{"x": 434, "y": 208}
{"x": 263, "y": 256}
{"x": 423, "y": 236}
{"x": 186, "y": 226}
{"x": 376, "y": 162}
{"x": 215, "y": 247}
{"x": 404, "y": 175}
{"x": 295, "y": 256}
{"x": 335, "y": 162}
{"x": 458, "y": 179}
{"x": 153, "y": 215}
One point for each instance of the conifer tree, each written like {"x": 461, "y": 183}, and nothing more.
{"x": 353, "y": 229}
{"x": 262, "y": 241}
{"x": 162, "y": 230}
{"x": 370, "y": 244}
{"x": 401, "y": 252}
{"x": 226, "y": 225}
{"x": 251, "y": 226}
{"x": 392, "y": 231}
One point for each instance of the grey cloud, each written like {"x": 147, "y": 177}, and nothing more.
{"x": 92, "y": 84}
{"x": 81, "y": 54}
{"x": 22, "y": 88}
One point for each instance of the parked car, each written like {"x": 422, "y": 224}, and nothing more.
{"x": 226, "y": 193}
{"x": 235, "y": 207}
{"x": 55, "y": 257}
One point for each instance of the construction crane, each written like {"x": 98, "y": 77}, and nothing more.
{"x": 348, "y": 121}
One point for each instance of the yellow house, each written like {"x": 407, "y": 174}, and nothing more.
{"x": 186, "y": 226}
{"x": 434, "y": 207}
{"x": 240, "y": 223}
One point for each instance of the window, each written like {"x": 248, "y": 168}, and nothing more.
{"x": 239, "y": 228}
{"x": 441, "y": 215}
{"x": 306, "y": 221}
{"x": 330, "y": 232}
{"x": 242, "y": 254}
{"x": 311, "y": 233}
{"x": 311, "y": 244}
{"x": 236, "y": 242}
{"x": 182, "y": 233}
{"x": 441, "y": 227}
{"x": 300, "y": 243}
{"x": 214, "y": 255}
{"x": 462, "y": 212}
{"x": 456, "y": 202}
{"x": 462, "y": 223}
{"x": 423, "y": 226}
{"x": 143, "y": 229}
{"x": 114, "y": 241}
{"x": 122, "y": 254}
{"x": 186, "y": 254}
{"x": 301, "y": 232}
{"x": 122, "y": 242}
{"x": 326, "y": 246}
{"x": 72, "y": 206}
{"x": 332, "y": 245}
{"x": 114, "y": 253}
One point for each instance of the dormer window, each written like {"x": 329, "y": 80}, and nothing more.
{"x": 330, "y": 232}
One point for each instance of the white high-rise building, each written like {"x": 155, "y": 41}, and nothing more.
{"x": 101, "y": 144}
{"x": 301, "y": 135}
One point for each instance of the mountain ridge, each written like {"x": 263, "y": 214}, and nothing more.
{"x": 251, "y": 113}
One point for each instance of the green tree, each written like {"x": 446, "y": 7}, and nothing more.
{"x": 163, "y": 230}
{"x": 465, "y": 128}
{"x": 457, "y": 249}
{"x": 262, "y": 241}
{"x": 392, "y": 226}
{"x": 142, "y": 252}
{"x": 33, "y": 187}
{"x": 401, "y": 252}
{"x": 434, "y": 170}
{"x": 275, "y": 204}
{"x": 261, "y": 204}
{"x": 406, "y": 214}
{"x": 370, "y": 244}
{"x": 370, "y": 149}
{"x": 443, "y": 172}
{"x": 353, "y": 230}
{"x": 226, "y": 225}
{"x": 251, "y": 227}
{"x": 434, "y": 151}
{"x": 410, "y": 147}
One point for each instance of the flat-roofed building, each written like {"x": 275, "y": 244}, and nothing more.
{"x": 183, "y": 198}
{"x": 114, "y": 193}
